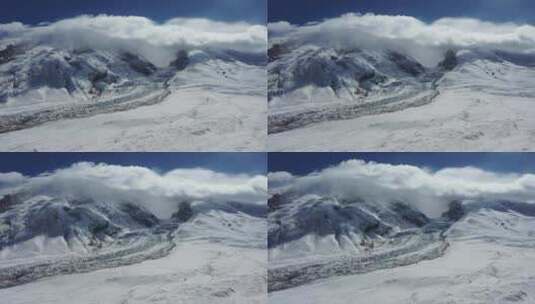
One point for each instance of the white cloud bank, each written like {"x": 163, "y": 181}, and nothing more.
{"x": 424, "y": 41}
{"x": 158, "y": 42}
{"x": 429, "y": 191}
{"x": 160, "y": 193}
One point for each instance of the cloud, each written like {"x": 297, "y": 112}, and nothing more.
{"x": 12, "y": 27}
{"x": 10, "y": 179}
{"x": 280, "y": 28}
{"x": 158, "y": 42}
{"x": 429, "y": 191}
{"x": 426, "y": 42}
{"x": 160, "y": 193}
{"x": 278, "y": 179}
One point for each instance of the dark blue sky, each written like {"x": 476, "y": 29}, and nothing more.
{"x": 303, "y": 163}
{"x": 302, "y": 11}
{"x": 32, "y": 164}
{"x": 35, "y": 11}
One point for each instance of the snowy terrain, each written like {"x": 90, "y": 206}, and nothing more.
{"x": 178, "y": 96}
{"x": 357, "y": 233}
{"x": 58, "y": 246}
{"x": 380, "y": 94}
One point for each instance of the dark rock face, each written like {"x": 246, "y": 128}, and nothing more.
{"x": 455, "y": 211}
{"x": 319, "y": 71}
{"x": 410, "y": 214}
{"x": 184, "y": 212}
{"x": 181, "y": 61}
{"x": 7, "y": 201}
{"x": 139, "y": 65}
{"x": 101, "y": 79}
{"x": 274, "y": 202}
{"x": 406, "y": 64}
{"x": 62, "y": 220}
{"x": 275, "y": 52}
{"x": 7, "y": 54}
{"x": 93, "y": 223}
{"x": 54, "y": 73}
{"x": 449, "y": 62}
{"x": 322, "y": 217}
{"x": 141, "y": 216}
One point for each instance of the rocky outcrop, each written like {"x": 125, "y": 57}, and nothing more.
{"x": 138, "y": 64}
{"x": 410, "y": 214}
{"x": 449, "y": 62}
{"x": 54, "y": 72}
{"x": 140, "y": 215}
{"x": 181, "y": 61}
{"x": 406, "y": 64}
{"x": 274, "y": 202}
{"x": 275, "y": 52}
{"x": 7, "y": 54}
{"x": 184, "y": 212}
{"x": 7, "y": 201}
{"x": 455, "y": 211}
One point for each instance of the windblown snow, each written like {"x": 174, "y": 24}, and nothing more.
{"x": 98, "y": 232}
{"x": 368, "y": 232}
{"x": 127, "y": 83}
{"x": 394, "y": 83}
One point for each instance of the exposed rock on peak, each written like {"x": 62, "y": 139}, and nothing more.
{"x": 455, "y": 211}
{"x": 450, "y": 61}
{"x": 140, "y": 215}
{"x": 7, "y": 54}
{"x": 275, "y": 51}
{"x": 184, "y": 212}
{"x": 7, "y": 201}
{"x": 407, "y": 64}
{"x": 138, "y": 64}
{"x": 181, "y": 61}
{"x": 410, "y": 214}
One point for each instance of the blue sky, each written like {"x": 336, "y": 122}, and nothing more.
{"x": 36, "y": 11}
{"x": 302, "y": 11}
{"x": 32, "y": 164}
{"x": 304, "y": 163}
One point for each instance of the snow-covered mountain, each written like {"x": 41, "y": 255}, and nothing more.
{"x": 44, "y": 86}
{"x": 313, "y": 84}
{"x": 332, "y": 94}
{"x": 45, "y": 240}
{"x": 399, "y": 233}
{"x": 483, "y": 253}
{"x": 312, "y": 238}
